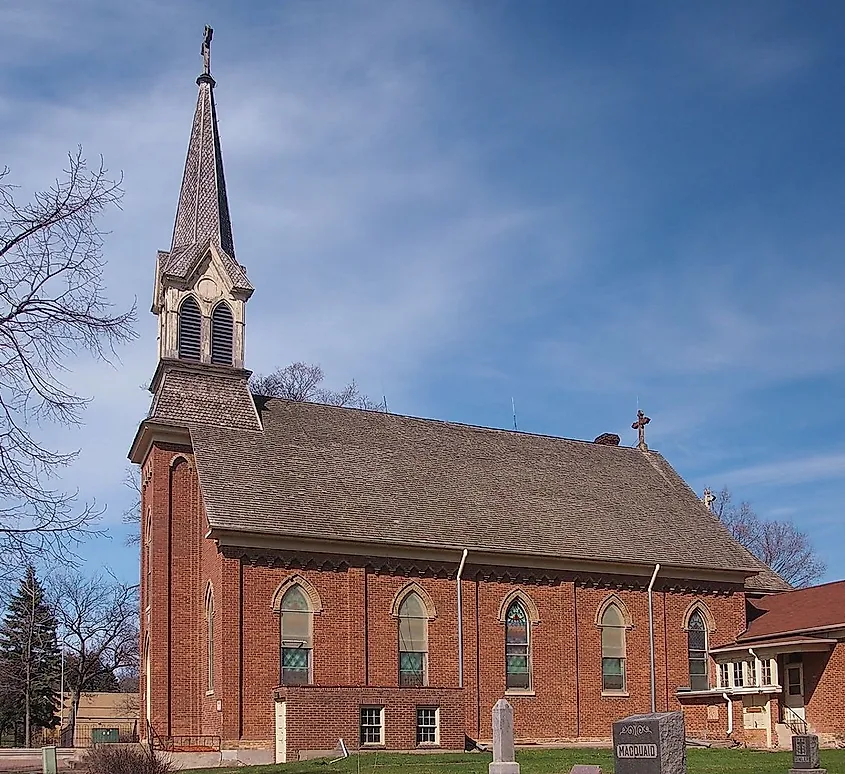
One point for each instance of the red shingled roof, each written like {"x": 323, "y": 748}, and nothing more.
{"x": 812, "y": 609}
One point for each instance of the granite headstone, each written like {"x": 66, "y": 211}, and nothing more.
{"x": 654, "y": 743}
{"x": 504, "y": 755}
{"x": 580, "y": 768}
{"x": 805, "y": 754}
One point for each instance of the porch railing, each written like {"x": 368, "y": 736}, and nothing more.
{"x": 793, "y": 721}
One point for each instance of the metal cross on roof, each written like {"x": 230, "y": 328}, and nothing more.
{"x": 206, "y": 50}
{"x": 639, "y": 426}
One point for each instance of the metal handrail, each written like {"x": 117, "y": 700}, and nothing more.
{"x": 793, "y": 721}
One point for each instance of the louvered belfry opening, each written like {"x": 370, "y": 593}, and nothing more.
{"x": 190, "y": 330}
{"x": 222, "y": 332}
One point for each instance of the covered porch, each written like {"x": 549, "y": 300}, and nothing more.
{"x": 768, "y": 677}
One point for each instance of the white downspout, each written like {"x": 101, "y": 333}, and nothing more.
{"x": 651, "y": 637}
{"x": 730, "y": 713}
{"x": 461, "y": 621}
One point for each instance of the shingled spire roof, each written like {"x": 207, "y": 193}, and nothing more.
{"x": 202, "y": 215}
{"x": 203, "y": 210}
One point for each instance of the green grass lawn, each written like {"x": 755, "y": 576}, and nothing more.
{"x": 541, "y": 762}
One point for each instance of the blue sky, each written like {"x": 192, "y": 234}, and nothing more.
{"x": 461, "y": 202}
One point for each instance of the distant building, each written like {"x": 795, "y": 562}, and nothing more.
{"x": 103, "y": 718}
{"x": 788, "y": 667}
{"x": 312, "y": 572}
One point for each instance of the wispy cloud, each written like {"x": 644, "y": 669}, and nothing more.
{"x": 788, "y": 472}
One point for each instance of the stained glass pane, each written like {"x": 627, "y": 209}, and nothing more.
{"x": 296, "y": 664}
{"x": 696, "y": 621}
{"x": 295, "y": 599}
{"x": 411, "y": 669}
{"x": 516, "y": 625}
{"x": 613, "y": 674}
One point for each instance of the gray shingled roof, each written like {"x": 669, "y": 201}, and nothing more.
{"x": 369, "y": 476}
{"x": 187, "y": 397}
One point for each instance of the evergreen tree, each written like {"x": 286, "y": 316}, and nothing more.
{"x": 31, "y": 659}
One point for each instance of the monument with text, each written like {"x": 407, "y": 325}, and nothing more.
{"x": 654, "y": 743}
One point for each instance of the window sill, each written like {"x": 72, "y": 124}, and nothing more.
{"x": 615, "y": 694}
{"x": 519, "y": 692}
{"x": 429, "y": 745}
{"x": 373, "y": 746}
{"x": 210, "y": 693}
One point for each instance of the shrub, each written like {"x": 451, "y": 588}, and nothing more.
{"x": 108, "y": 759}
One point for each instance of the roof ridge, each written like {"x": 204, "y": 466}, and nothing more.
{"x": 453, "y": 423}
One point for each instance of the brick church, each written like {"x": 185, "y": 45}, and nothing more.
{"x": 311, "y": 573}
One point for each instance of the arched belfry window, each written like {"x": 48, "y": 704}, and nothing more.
{"x": 517, "y": 647}
{"x": 190, "y": 330}
{"x": 297, "y": 619}
{"x": 612, "y": 649}
{"x": 697, "y": 652}
{"x": 222, "y": 334}
{"x": 413, "y": 641}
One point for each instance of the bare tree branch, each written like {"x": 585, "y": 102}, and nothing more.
{"x": 98, "y": 618}
{"x": 52, "y": 307}
{"x": 132, "y": 514}
{"x": 303, "y": 382}
{"x": 778, "y": 544}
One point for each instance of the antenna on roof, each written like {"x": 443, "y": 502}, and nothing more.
{"x": 513, "y": 407}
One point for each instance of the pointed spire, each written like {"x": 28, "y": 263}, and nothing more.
{"x": 203, "y": 210}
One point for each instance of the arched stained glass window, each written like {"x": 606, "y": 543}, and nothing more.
{"x": 413, "y": 641}
{"x": 612, "y": 649}
{"x": 699, "y": 678}
{"x": 517, "y": 648}
{"x": 297, "y": 637}
{"x": 222, "y": 334}
{"x": 190, "y": 330}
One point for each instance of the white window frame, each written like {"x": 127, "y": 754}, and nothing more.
{"x": 750, "y": 669}
{"x": 362, "y": 709}
{"x": 436, "y": 741}
{"x": 725, "y": 670}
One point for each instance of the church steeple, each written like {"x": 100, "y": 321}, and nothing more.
{"x": 203, "y": 210}
{"x": 200, "y": 289}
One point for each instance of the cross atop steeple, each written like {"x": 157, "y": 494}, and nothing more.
{"x": 639, "y": 426}
{"x": 203, "y": 210}
{"x": 206, "y": 50}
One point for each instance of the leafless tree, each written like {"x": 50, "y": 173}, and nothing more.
{"x": 132, "y": 514}
{"x": 303, "y": 382}
{"x": 778, "y": 544}
{"x": 52, "y": 307}
{"x": 98, "y": 618}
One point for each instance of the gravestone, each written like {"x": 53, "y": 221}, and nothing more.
{"x": 504, "y": 758}
{"x": 805, "y": 755}
{"x": 580, "y": 768}
{"x": 654, "y": 743}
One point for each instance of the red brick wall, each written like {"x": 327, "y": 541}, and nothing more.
{"x": 355, "y": 638}
{"x": 824, "y": 676}
{"x": 318, "y": 717}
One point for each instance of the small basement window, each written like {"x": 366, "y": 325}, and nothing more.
{"x": 372, "y": 725}
{"x": 428, "y": 725}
